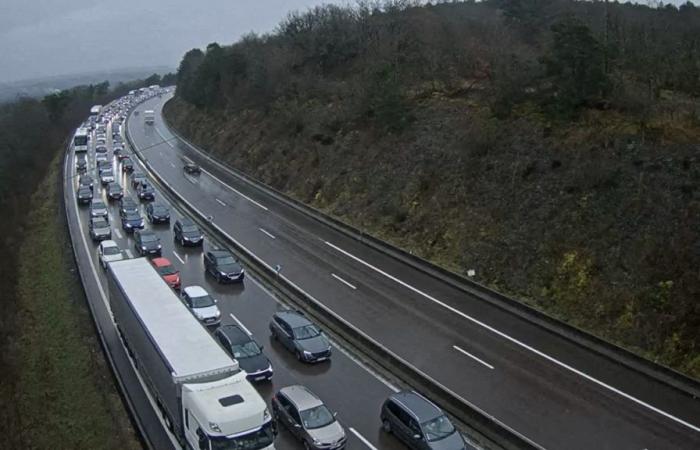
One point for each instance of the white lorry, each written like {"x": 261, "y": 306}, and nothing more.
{"x": 80, "y": 140}
{"x": 96, "y": 110}
{"x": 201, "y": 393}
{"x": 149, "y": 116}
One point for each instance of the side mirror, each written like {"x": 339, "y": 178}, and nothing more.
{"x": 335, "y": 414}
{"x": 416, "y": 436}
{"x": 216, "y": 301}
{"x": 296, "y": 425}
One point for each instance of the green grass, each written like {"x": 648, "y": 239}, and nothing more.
{"x": 66, "y": 397}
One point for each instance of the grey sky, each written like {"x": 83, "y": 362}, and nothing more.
{"x": 40, "y": 38}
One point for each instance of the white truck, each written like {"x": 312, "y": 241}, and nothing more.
{"x": 149, "y": 116}
{"x": 201, "y": 393}
{"x": 80, "y": 140}
{"x": 96, "y": 110}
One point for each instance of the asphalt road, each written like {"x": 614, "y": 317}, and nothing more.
{"x": 346, "y": 385}
{"x": 554, "y": 392}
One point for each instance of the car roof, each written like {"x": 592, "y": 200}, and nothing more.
{"x": 108, "y": 243}
{"x": 301, "y": 396}
{"x": 186, "y": 221}
{"x": 220, "y": 253}
{"x": 420, "y": 406}
{"x": 195, "y": 291}
{"x": 293, "y": 318}
{"x": 145, "y": 232}
{"x": 235, "y": 334}
{"x": 161, "y": 262}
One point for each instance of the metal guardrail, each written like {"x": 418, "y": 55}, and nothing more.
{"x": 664, "y": 374}
{"x": 495, "y": 432}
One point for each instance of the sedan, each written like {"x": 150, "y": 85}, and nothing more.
{"x": 132, "y": 221}
{"x": 241, "y": 346}
{"x": 202, "y": 305}
{"x": 145, "y": 191}
{"x": 114, "y": 191}
{"x": 147, "y": 242}
{"x": 127, "y": 165}
{"x": 166, "y": 270}
{"x": 137, "y": 178}
{"x": 308, "y": 418}
{"x": 106, "y": 177}
{"x": 98, "y": 209}
{"x": 192, "y": 169}
{"x": 84, "y": 195}
{"x": 300, "y": 336}
{"x": 186, "y": 232}
{"x": 81, "y": 164}
{"x": 86, "y": 180}
{"x": 99, "y": 229}
{"x": 127, "y": 205}
{"x": 157, "y": 213}
{"x": 223, "y": 266}
{"x": 107, "y": 252}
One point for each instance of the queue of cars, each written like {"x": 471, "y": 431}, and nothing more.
{"x": 412, "y": 418}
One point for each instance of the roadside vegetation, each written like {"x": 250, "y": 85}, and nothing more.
{"x": 549, "y": 145}
{"x": 56, "y": 390}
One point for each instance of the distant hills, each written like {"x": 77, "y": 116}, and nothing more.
{"x": 39, "y": 87}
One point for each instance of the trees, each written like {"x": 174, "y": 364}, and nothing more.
{"x": 574, "y": 67}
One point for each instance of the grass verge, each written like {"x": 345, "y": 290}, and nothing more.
{"x": 64, "y": 392}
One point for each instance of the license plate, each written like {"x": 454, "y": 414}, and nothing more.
{"x": 261, "y": 377}
{"x": 322, "y": 358}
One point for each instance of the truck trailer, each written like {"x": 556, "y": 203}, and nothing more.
{"x": 96, "y": 110}
{"x": 199, "y": 390}
{"x": 149, "y": 116}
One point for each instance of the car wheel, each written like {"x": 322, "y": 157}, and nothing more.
{"x": 219, "y": 279}
{"x": 386, "y": 426}
{"x": 299, "y": 356}
{"x": 182, "y": 241}
{"x": 307, "y": 446}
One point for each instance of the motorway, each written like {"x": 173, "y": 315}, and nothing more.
{"x": 556, "y": 393}
{"x": 344, "y": 383}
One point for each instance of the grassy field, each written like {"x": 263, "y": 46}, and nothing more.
{"x": 64, "y": 393}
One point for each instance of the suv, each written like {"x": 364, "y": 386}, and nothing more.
{"x": 308, "y": 419}
{"x": 114, "y": 191}
{"x": 106, "y": 177}
{"x": 137, "y": 178}
{"x": 202, "y": 305}
{"x": 241, "y": 346}
{"x": 186, "y": 232}
{"x": 419, "y": 423}
{"x": 147, "y": 243}
{"x": 300, "y": 336}
{"x": 223, "y": 266}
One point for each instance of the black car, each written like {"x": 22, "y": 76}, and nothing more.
{"x": 147, "y": 243}
{"x": 127, "y": 165}
{"x": 132, "y": 221}
{"x": 246, "y": 351}
{"x": 81, "y": 164}
{"x": 102, "y": 166}
{"x": 300, "y": 336}
{"x": 137, "y": 178}
{"x": 223, "y": 266}
{"x": 157, "y": 213}
{"x": 186, "y": 232}
{"x": 192, "y": 169}
{"x": 84, "y": 195}
{"x": 86, "y": 181}
{"x": 114, "y": 191}
{"x": 128, "y": 205}
{"x": 145, "y": 191}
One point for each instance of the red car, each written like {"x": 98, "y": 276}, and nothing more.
{"x": 166, "y": 270}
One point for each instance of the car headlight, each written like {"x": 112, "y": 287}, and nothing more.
{"x": 159, "y": 246}
{"x": 218, "y": 314}
{"x": 128, "y": 225}
{"x": 307, "y": 353}
{"x": 223, "y": 273}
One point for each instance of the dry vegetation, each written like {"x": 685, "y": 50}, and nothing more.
{"x": 550, "y": 145}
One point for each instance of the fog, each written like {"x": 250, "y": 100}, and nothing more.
{"x": 41, "y": 38}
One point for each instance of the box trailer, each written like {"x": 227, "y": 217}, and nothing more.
{"x": 202, "y": 395}
{"x": 96, "y": 110}
{"x": 149, "y": 116}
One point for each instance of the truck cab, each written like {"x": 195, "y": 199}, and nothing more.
{"x": 149, "y": 116}
{"x": 226, "y": 414}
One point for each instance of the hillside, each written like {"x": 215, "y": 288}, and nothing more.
{"x": 551, "y": 146}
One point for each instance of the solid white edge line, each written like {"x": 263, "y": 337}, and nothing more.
{"x": 178, "y": 257}
{"x": 128, "y": 253}
{"x": 172, "y": 438}
{"x": 240, "y": 324}
{"x": 351, "y": 286}
{"x": 362, "y": 438}
{"x": 215, "y": 177}
{"x": 267, "y": 233}
{"x": 220, "y": 202}
{"x": 118, "y": 233}
{"x": 461, "y": 350}
{"x": 172, "y": 165}
{"x": 519, "y": 343}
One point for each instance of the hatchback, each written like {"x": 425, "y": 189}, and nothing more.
{"x": 300, "y": 336}
{"x": 246, "y": 351}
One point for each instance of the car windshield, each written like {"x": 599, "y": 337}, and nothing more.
{"x": 190, "y": 228}
{"x": 438, "y": 428}
{"x": 148, "y": 237}
{"x": 160, "y": 209}
{"x": 202, "y": 302}
{"x": 115, "y": 188}
{"x": 111, "y": 251}
{"x": 132, "y": 216}
{"x": 246, "y": 350}
{"x": 98, "y": 205}
{"x": 167, "y": 270}
{"x": 100, "y": 223}
{"x": 256, "y": 440}
{"x": 316, "y": 417}
{"x": 306, "y": 332}
{"x": 225, "y": 260}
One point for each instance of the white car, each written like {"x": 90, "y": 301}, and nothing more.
{"x": 108, "y": 251}
{"x": 202, "y": 305}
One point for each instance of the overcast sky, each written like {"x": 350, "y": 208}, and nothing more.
{"x": 40, "y": 38}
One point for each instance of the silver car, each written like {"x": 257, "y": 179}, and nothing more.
{"x": 202, "y": 305}
{"x": 109, "y": 251}
{"x": 100, "y": 229}
{"x": 308, "y": 419}
{"x": 98, "y": 209}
